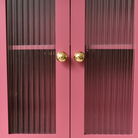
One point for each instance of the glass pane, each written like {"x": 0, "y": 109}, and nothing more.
{"x": 109, "y": 67}
{"x": 31, "y": 22}
{"x": 109, "y": 22}
{"x": 31, "y": 66}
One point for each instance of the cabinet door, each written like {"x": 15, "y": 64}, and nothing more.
{"x": 34, "y": 89}
{"x": 104, "y": 97}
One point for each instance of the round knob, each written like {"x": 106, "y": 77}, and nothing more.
{"x": 79, "y": 56}
{"x": 61, "y": 56}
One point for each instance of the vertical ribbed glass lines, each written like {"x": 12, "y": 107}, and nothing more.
{"x": 31, "y": 22}
{"x": 109, "y": 22}
{"x": 31, "y": 66}
{"x": 109, "y": 67}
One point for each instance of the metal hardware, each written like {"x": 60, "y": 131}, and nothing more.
{"x": 79, "y": 56}
{"x": 61, "y": 56}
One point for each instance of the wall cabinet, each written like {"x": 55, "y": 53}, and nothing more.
{"x": 68, "y": 68}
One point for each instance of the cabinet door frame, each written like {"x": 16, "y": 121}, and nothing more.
{"x": 62, "y": 74}
{"x": 77, "y": 73}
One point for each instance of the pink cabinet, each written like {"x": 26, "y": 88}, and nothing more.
{"x": 68, "y": 68}
{"x": 36, "y": 100}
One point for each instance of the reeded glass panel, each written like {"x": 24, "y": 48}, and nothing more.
{"x": 31, "y": 66}
{"x": 109, "y": 67}
{"x": 109, "y": 22}
{"x": 31, "y": 22}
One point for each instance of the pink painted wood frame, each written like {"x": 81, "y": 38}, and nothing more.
{"x": 77, "y": 73}
{"x": 62, "y": 75}
{"x": 111, "y": 46}
{"x": 32, "y": 47}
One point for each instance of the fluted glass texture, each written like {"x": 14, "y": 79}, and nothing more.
{"x": 31, "y": 66}
{"x": 109, "y": 67}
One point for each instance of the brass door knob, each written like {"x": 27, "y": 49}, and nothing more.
{"x": 79, "y": 56}
{"x": 61, "y": 56}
